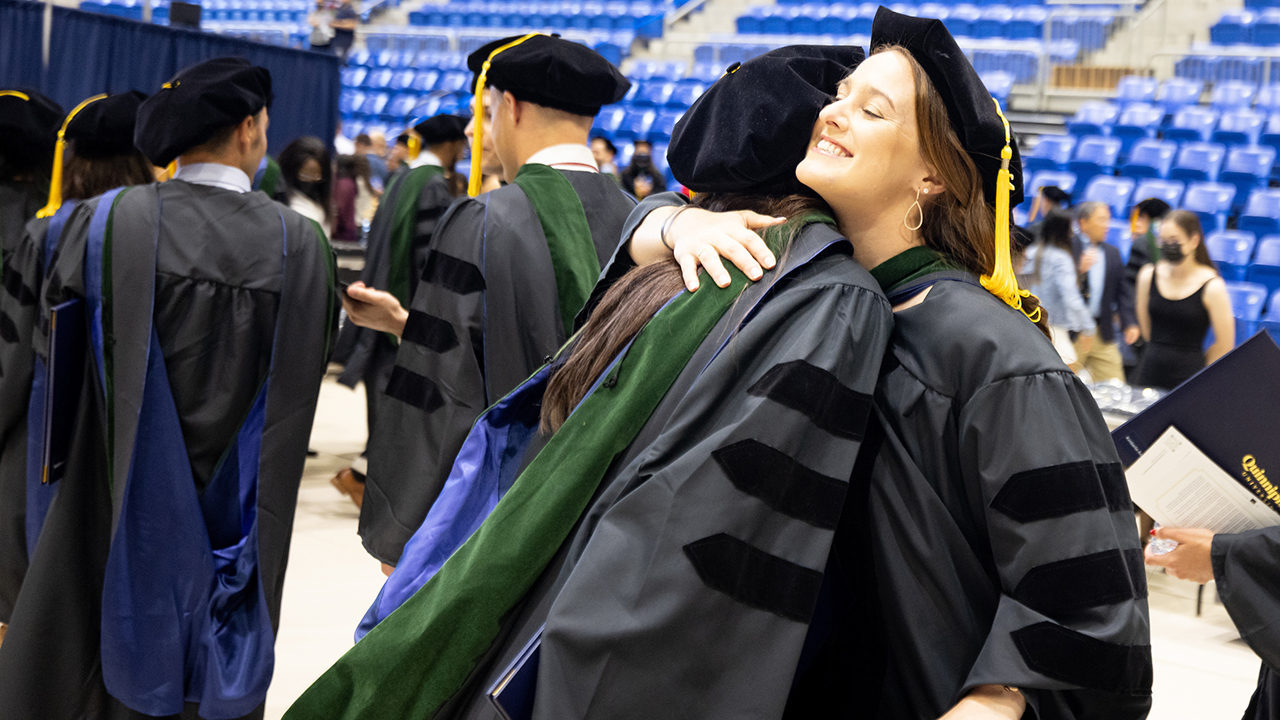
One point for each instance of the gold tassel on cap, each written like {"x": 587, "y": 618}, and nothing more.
{"x": 477, "y": 134}
{"x": 55, "y": 185}
{"x": 1002, "y": 282}
{"x": 15, "y": 93}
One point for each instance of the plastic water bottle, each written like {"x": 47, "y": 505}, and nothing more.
{"x": 1161, "y": 547}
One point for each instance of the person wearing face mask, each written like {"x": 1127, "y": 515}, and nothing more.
{"x": 1180, "y": 298}
{"x": 308, "y": 178}
{"x": 641, "y": 165}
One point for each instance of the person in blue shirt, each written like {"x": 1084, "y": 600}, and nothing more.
{"x": 1051, "y": 275}
{"x": 1107, "y": 295}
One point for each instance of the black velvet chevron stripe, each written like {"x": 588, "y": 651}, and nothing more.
{"x": 782, "y": 483}
{"x": 430, "y": 212}
{"x": 410, "y": 387}
{"x": 13, "y": 285}
{"x": 1051, "y": 492}
{"x": 8, "y": 329}
{"x": 453, "y": 274}
{"x": 755, "y": 578}
{"x": 1103, "y": 578}
{"x": 1071, "y": 657}
{"x": 1114, "y": 487}
{"x": 430, "y": 332}
{"x": 819, "y": 395}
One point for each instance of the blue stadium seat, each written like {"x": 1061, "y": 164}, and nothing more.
{"x": 1065, "y": 181}
{"x": 1028, "y": 22}
{"x": 1178, "y": 92}
{"x": 454, "y": 81}
{"x": 993, "y": 22}
{"x": 1114, "y": 191}
{"x": 686, "y": 92}
{"x": 1121, "y": 236}
{"x": 655, "y": 93}
{"x": 1247, "y": 300}
{"x": 663, "y": 125}
{"x": 1232, "y": 94}
{"x": 1265, "y": 269}
{"x": 1169, "y": 191}
{"x": 1093, "y": 118}
{"x": 1198, "y": 161}
{"x": 1231, "y": 251}
{"x": 1271, "y": 131}
{"x": 401, "y": 105}
{"x": 1233, "y": 28}
{"x": 403, "y": 80}
{"x": 1240, "y": 126}
{"x": 959, "y": 23}
{"x": 1136, "y": 122}
{"x": 1266, "y": 28}
{"x": 1211, "y": 201}
{"x": 373, "y": 105}
{"x": 999, "y": 84}
{"x": 358, "y": 58}
{"x": 636, "y": 125}
{"x": 1268, "y": 98}
{"x": 379, "y": 79}
{"x": 933, "y": 10}
{"x": 1051, "y": 153}
{"x": 704, "y": 55}
{"x": 349, "y": 102}
{"x": 1150, "y": 159}
{"x": 1261, "y": 214}
{"x": 425, "y": 81}
{"x": 353, "y": 77}
{"x": 1192, "y": 122}
{"x": 608, "y": 121}
{"x": 1248, "y": 167}
{"x": 706, "y": 72}
{"x": 1094, "y": 155}
{"x": 1136, "y": 88}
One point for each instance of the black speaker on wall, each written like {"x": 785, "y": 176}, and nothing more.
{"x": 185, "y": 15}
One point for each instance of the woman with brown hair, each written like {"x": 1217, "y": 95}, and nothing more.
{"x": 1179, "y": 297}
{"x": 998, "y": 526}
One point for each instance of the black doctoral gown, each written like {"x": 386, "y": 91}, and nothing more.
{"x": 367, "y": 355}
{"x": 485, "y": 316}
{"x": 1246, "y": 568}
{"x": 1002, "y": 534}
{"x": 686, "y": 588}
{"x": 217, "y": 300}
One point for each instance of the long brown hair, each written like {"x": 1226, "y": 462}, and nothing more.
{"x": 86, "y": 177}
{"x": 1189, "y": 223}
{"x": 959, "y": 223}
{"x": 627, "y": 306}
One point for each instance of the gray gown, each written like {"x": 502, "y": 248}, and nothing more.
{"x": 1245, "y": 570}
{"x": 484, "y": 318}
{"x": 216, "y": 305}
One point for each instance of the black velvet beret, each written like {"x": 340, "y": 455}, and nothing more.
{"x": 969, "y": 103}
{"x": 552, "y": 72}
{"x": 441, "y": 128}
{"x": 749, "y": 131}
{"x": 199, "y": 101}
{"x": 29, "y": 124}
{"x": 105, "y": 127}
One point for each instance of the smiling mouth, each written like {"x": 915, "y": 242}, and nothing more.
{"x": 826, "y": 147}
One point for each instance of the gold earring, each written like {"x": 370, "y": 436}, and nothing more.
{"x": 915, "y": 206}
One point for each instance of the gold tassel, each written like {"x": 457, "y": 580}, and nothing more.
{"x": 477, "y": 135}
{"x": 170, "y": 170}
{"x": 1003, "y": 283}
{"x": 55, "y": 184}
{"x": 415, "y": 144}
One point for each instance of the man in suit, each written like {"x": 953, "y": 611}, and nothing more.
{"x": 1102, "y": 282}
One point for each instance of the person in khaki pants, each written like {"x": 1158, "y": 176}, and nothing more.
{"x": 1106, "y": 292}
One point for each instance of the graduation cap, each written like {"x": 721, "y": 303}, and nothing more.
{"x": 545, "y": 70}
{"x": 978, "y": 122}
{"x": 441, "y": 128}
{"x": 55, "y": 183}
{"x": 749, "y": 131}
{"x": 105, "y": 128}
{"x": 199, "y": 101}
{"x": 28, "y": 126}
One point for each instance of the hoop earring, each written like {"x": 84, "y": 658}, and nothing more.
{"x": 914, "y": 206}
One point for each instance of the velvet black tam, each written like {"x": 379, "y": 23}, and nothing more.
{"x": 199, "y": 101}
{"x": 29, "y": 124}
{"x": 749, "y": 131}
{"x": 104, "y": 128}
{"x": 441, "y": 128}
{"x": 552, "y": 72}
{"x": 969, "y": 104}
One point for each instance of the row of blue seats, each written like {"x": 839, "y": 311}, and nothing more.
{"x": 1244, "y": 27}
{"x": 1207, "y": 67}
{"x": 1192, "y": 122}
{"x": 648, "y": 26}
{"x": 1178, "y": 91}
{"x": 635, "y": 8}
{"x": 1245, "y": 166}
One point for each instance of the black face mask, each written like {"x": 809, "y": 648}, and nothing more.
{"x": 1172, "y": 252}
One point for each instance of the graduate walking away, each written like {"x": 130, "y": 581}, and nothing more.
{"x": 396, "y": 255}
{"x": 665, "y": 546}
{"x": 505, "y": 274}
{"x": 999, "y": 526}
{"x": 155, "y": 587}
{"x": 95, "y": 154}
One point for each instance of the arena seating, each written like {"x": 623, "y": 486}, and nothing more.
{"x": 638, "y": 16}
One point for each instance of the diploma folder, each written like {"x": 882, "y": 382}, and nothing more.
{"x": 64, "y": 376}
{"x": 1230, "y": 411}
{"x": 512, "y": 694}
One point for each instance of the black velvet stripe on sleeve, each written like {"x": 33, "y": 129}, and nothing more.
{"x": 8, "y": 329}
{"x": 1115, "y": 488}
{"x": 430, "y": 332}
{"x": 1103, "y": 578}
{"x": 453, "y": 274}
{"x": 410, "y": 387}
{"x": 1072, "y": 657}
{"x": 1050, "y": 492}
{"x": 430, "y": 212}
{"x": 782, "y": 483}
{"x": 819, "y": 395}
{"x": 755, "y": 578}
{"x": 13, "y": 285}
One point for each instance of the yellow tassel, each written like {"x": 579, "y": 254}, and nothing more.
{"x": 415, "y": 147}
{"x": 170, "y": 170}
{"x": 1002, "y": 282}
{"x": 477, "y": 134}
{"x": 55, "y": 184}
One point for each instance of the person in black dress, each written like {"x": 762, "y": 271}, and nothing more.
{"x": 1179, "y": 298}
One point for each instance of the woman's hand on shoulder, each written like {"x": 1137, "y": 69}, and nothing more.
{"x": 699, "y": 238}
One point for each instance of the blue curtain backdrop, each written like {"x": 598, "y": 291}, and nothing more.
{"x": 92, "y": 53}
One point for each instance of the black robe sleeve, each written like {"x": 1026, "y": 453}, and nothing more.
{"x": 1246, "y": 567}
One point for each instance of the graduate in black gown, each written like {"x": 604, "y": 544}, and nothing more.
{"x": 505, "y": 274}
{"x": 154, "y": 589}
{"x": 29, "y": 125}
{"x": 998, "y": 525}
{"x": 399, "y": 240}
{"x": 669, "y": 538}
{"x": 97, "y": 155}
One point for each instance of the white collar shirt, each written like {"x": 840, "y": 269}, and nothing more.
{"x": 214, "y": 175}
{"x": 576, "y": 158}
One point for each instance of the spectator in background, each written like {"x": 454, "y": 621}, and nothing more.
{"x": 1144, "y": 225}
{"x": 641, "y": 164}
{"x": 1179, "y": 298}
{"x": 308, "y": 176}
{"x": 344, "y": 25}
{"x": 352, "y": 173}
{"x": 1050, "y": 198}
{"x": 606, "y": 156}
{"x": 1051, "y": 276}
{"x": 321, "y": 32}
{"x": 342, "y": 145}
{"x": 642, "y": 186}
{"x": 398, "y": 155}
{"x": 1107, "y": 294}
{"x": 377, "y": 166}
